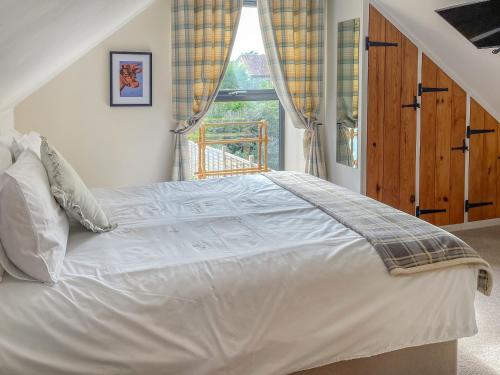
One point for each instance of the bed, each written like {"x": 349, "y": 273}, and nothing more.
{"x": 226, "y": 276}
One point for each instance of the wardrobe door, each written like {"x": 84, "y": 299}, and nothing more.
{"x": 458, "y": 155}
{"x": 392, "y": 118}
{"x": 442, "y": 147}
{"x": 498, "y": 170}
{"x": 483, "y": 161}
{"x": 391, "y": 135}
{"x": 408, "y": 136}
{"x": 376, "y": 106}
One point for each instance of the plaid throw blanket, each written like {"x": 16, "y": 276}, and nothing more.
{"x": 405, "y": 243}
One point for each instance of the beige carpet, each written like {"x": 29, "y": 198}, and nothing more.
{"x": 480, "y": 355}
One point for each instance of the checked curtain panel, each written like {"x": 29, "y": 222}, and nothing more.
{"x": 203, "y": 36}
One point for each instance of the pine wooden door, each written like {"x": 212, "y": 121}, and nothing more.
{"x": 442, "y": 147}
{"x": 391, "y": 135}
{"x": 484, "y": 181}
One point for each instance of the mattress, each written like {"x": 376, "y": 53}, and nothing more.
{"x": 224, "y": 276}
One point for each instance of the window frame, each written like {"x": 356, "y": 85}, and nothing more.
{"x": 258, "y": 96}
{"x": 250, "y": 3}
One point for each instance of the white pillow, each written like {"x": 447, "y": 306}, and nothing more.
{"x": 33, "y": 227}
{"x": 5, "y": 163}
{"x": 7, "y": 141}
{"x": 31, "y": 141}
{"x": 10, "y": 268}
{"x": 5, "y": 158}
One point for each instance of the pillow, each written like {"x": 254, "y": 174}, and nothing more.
{"x": 30, "y": 141}
{"x": 10, "y": 268}
{"x": 5, "y": 163}
{"x": 7, "y": 141}
{"x": 33, "y": 228}
{"x": 71, "y": 192}
{"x": 5, "y": 159}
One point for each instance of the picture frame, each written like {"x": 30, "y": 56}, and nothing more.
{"x": 130, "y": 79}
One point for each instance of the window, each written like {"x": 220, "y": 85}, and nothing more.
{"x": 245, "y": 100}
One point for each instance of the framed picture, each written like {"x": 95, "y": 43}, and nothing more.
{"x": 130, "y": 79}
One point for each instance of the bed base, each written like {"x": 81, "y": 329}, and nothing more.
{"x": 432, "y": 359}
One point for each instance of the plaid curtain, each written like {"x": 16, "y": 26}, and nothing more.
{"x": 203, "y": 36}
{"x": 347, "y": 88}
{"x": 344, "y": 150}
{"x": 293, "y": 34}
{"x": 348, "y": 70}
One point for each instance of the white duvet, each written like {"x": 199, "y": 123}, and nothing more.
{"x": 226, "y": 276}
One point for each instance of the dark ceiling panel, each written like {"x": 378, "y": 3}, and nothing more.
{"x": 479, "y": 22}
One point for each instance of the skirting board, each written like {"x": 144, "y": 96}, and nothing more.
{"x": 432, "y": 359}
{"x": 472, "y": 225}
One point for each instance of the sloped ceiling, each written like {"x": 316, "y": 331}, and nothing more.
{"x": 39, "y": 38}
{"x": 478, "y": 71}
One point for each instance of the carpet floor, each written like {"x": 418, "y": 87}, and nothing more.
{"x": 480, "y": 355}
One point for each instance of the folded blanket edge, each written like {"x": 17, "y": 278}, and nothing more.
{"x": 485, "y": 277}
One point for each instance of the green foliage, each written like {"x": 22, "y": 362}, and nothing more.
{"x": 236, "y": 77}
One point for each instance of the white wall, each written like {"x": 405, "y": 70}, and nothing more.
{"x": 109, "y": 146}
{"x": 39, "y": 39}
{"x": 294, "y": 152}
{"x": 6, "y": 120}
{"x": 338, "y": 11}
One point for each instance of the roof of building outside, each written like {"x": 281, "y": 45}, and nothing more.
{"x": 255, "y": 63}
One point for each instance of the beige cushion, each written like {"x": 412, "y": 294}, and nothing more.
{"x": 71, "y": 192}
{"x": 33, "y": 228}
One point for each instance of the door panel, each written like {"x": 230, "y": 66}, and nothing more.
{"x": 457, "y": 162}
{"x": 408, "y": 137}
{"x": 376, "y": 102}
{"x": 483, "y": 160}
{"x": 428, "y": 140}
{"x": 490, "y": 168}
{"x": 442, "y": 128}
{"x": 443, "y": 147}
{"x": 498, "y": 171}
{"x": 391, "y": 135}
{"x": 475, "y": 160}
{"x": 392, "y": 117}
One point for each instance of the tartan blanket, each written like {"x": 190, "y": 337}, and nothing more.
{"x": 406, "y": 244}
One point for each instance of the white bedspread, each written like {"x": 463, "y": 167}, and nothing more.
{"x": 229, "y": 276}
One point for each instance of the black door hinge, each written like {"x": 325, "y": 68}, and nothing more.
{"x": 429, "y": 211}
{"x": 415, "y": 105}
{"x": 462, "y": 148}
{"x": 370, "y": 43}
{"x": 423, "y": 90}
{"x": 469, "y": 205}
{"x": 478, "y": 131}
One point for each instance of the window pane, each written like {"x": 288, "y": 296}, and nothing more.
{"x": 248, "y": 68}
{"x": 244, "y": 111}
